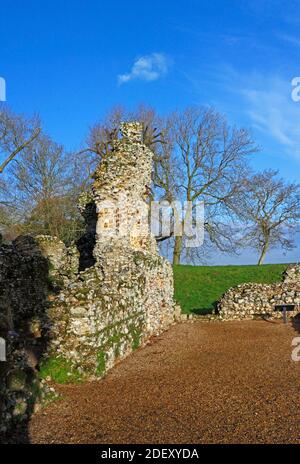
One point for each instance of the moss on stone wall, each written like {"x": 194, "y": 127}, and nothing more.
{"x": 101, "y": 363}
{"x": 136, "y": 338}
{"x": 60, "y": 370}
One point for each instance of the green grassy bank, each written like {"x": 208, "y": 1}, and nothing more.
{"x": 197, "y": 288}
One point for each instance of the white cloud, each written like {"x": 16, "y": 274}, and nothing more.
{"x": 267, "y": 103}
{"x": 293, "y": 40}
{"x": 272, "y": 110}
{"x": 146, "y": 68}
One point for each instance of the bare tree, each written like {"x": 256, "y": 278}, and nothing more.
{"x": 207, "y": 162}
{"x": 270, "y": 209}
{"x": 16, "y": 134}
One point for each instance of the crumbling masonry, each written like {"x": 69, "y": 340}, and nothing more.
{"x": 124, "y": 292}
{"x": 251, "y": 300}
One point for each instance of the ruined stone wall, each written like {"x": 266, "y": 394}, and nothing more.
{"x": 87, "y": 306}
{"x": 249, "y": 300}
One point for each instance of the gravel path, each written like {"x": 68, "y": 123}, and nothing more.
{"x": 231, "y": 382}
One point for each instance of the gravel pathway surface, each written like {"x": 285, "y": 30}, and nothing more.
{"x": 231, "y": 382}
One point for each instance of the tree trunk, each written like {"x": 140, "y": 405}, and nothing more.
{"x": 263, "y": 253}
{"x": 177, "y": 250}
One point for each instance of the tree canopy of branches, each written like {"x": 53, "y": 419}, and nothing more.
{"x": 270, "y": 209}
{"x": 40, "y": 181}
{"x": 102, "y": 135}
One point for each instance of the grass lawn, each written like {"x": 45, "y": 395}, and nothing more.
{"x": 197, "y": 288}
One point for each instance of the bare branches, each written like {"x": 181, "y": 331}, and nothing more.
{"x": 44, "y": 184}
{"x": 102, "y": 136}
{"x": 19, "y": 149}
{"x": 16, "y": 134}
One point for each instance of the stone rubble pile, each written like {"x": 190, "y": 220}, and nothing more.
{"x": 250, "y": 300}
{"x": 292, "y": 274}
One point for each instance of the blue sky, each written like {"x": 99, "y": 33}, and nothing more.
{"x": 70, "y": 61}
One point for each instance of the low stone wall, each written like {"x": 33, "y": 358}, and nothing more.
{"x": 292, "y": 274}
{"x": 109, "y": 310}
{"x": 249, "y": 300}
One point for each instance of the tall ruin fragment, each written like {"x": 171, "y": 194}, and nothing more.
{"x": 124, "y": 292}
